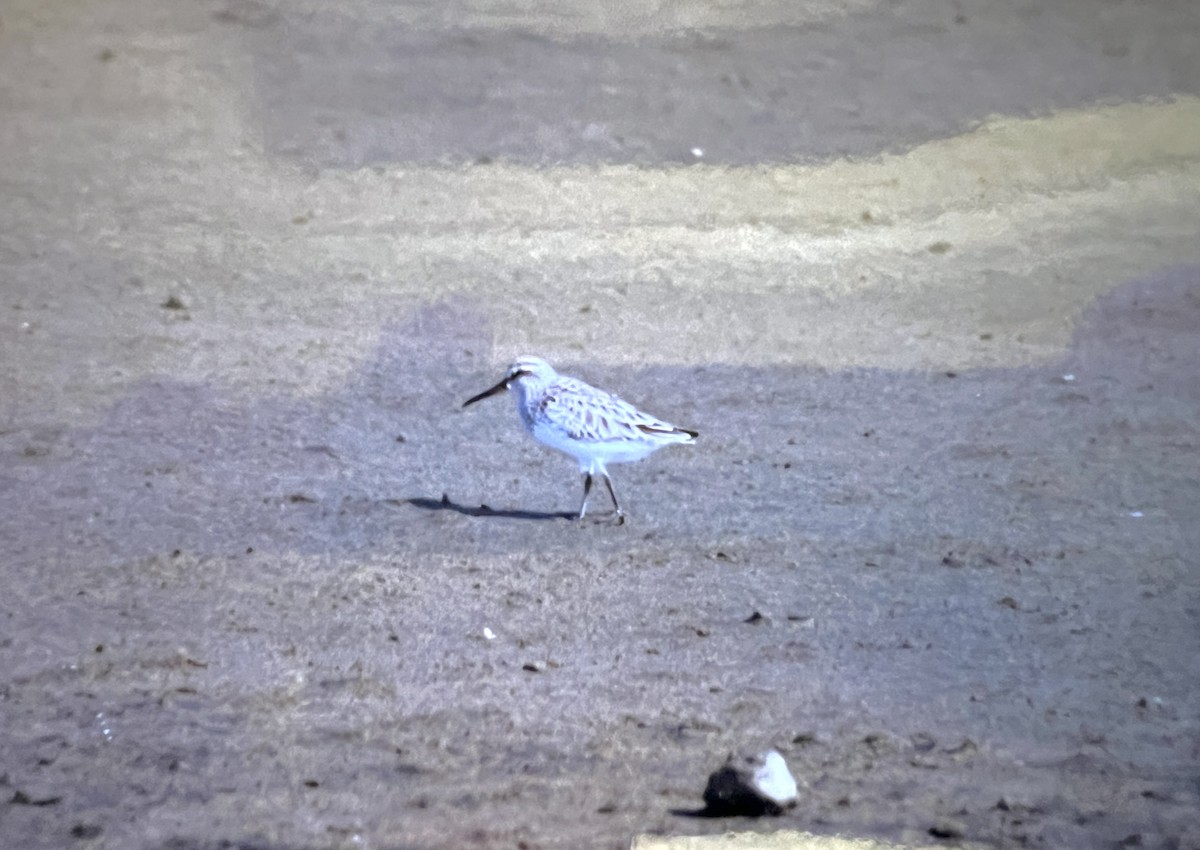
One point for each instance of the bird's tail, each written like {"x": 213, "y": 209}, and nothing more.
{"x": 682, "y": 435}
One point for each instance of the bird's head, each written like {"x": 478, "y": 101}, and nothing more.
{"x": 527, "y": 373}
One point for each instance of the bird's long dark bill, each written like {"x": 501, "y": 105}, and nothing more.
{"x": 499, "y": 388}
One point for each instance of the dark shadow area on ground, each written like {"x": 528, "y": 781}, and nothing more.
{"x": 1026, "y": 454}
{"x": 839, "y": 87}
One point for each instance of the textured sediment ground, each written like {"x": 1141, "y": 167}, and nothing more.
{"x": 926, "y": 279}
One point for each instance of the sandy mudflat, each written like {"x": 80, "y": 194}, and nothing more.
{"x": 925, "y": 277}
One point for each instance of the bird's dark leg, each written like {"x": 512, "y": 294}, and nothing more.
{"x": 587, "y": 488}
{"x": 620, "y": 514}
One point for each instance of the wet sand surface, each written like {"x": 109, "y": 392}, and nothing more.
{"x": 926, "y": 279}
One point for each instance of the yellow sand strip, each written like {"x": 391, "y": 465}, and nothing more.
{"x": 978, "y": 250}
{"x": 783, "y": 840}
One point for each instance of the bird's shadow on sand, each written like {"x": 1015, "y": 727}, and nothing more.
{"x": 446, "y": 504}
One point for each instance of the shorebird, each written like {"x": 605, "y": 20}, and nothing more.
{"x": 592, "y": 426}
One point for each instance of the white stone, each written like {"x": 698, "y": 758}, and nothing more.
{"x": 773, "y": 781}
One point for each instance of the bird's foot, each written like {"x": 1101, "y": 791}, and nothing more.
{"x": 610, "y": 518}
